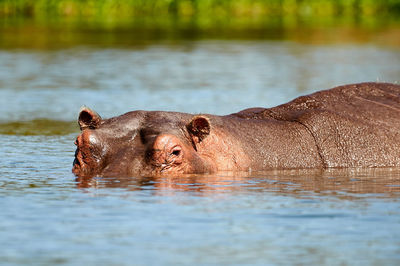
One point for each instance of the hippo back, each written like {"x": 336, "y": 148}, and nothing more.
{"x": 353, "y": 125}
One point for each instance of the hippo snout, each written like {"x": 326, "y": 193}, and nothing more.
{"x": 86, "y": 160}
{"x": 78, "y": 166}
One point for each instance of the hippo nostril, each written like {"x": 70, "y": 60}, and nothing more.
{"x": 76, "y": 162}
{"x": 79, "y": 158}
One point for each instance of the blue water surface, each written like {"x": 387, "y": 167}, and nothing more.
{"x": 332, "y": 217}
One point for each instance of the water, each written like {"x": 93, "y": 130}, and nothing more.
{"x": 333, "y": 217}
{"x": 279, "y": 217}
{"x": 201, "y": 76}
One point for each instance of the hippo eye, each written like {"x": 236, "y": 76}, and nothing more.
{"x": 176, "y": 151}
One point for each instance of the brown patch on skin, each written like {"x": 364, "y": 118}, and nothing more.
{"x": 170, "y": 154}
{"x": 224, "y": 152}
{"x": 167, "y": 152}
{"x": 220, "y": 150}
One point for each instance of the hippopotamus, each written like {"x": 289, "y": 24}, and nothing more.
{"x": 356, "y": 125}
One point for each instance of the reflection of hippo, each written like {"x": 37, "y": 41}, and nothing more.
{"x": 349, "y": 126}
{"x": 342, "y": 183}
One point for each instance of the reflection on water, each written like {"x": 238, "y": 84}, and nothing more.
{"x": 343, "y": 183}
{"x": 137, "y": 33}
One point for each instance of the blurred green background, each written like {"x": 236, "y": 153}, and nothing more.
{"x": 113, "y": 9}
{"x": 47, "y": 24}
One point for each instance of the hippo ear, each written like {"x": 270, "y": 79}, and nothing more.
{"x": 88, "y": 118}
{"x": 199, "y": 128}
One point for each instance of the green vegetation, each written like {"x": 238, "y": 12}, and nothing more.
{"x": 48, "y": 24}
{"x": 115, "y": 9}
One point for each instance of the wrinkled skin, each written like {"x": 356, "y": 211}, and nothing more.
{"x": 349, "y": 126}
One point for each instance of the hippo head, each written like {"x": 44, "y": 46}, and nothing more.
{"x": 141, "y": 143}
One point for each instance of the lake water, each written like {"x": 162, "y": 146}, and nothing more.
{"x": 332, "y": 217}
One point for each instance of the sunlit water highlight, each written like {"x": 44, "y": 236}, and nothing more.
{"x": 333, "y": 217}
